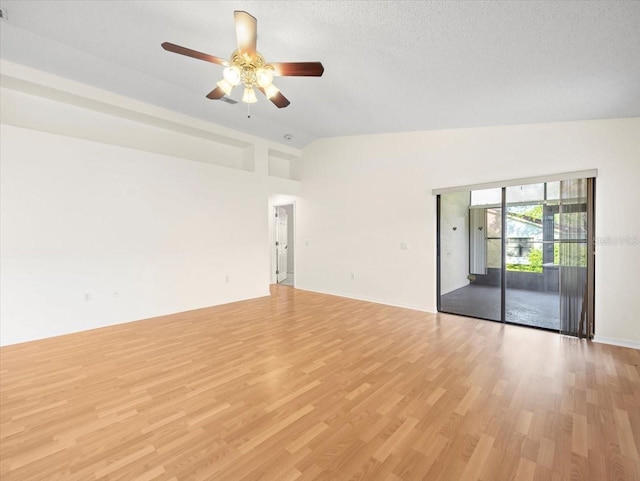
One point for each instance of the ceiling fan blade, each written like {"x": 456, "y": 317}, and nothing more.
{"x": 297, "y": 69}
{"x": 246, "y": 32}
{"x": 171, "y": 47}
{"x": 215, "y": 94}
{"x": 278, "y": 99}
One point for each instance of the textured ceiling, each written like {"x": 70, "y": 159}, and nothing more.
{"x": 389, "y": 66}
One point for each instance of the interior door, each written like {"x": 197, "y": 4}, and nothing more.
{"x": 282, "y": 229}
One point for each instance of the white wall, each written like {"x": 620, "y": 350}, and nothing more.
{"x": 114, "y": 210}
{"x": 454, "y": 241}
{"x": 140, "y": 234}
{"x": 104, "y": 195}
{"x": 362, "y": 196}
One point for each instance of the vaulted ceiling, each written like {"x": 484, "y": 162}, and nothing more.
{"x": 389, "y": 66}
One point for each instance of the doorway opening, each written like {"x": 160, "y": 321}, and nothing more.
{"x": 520, "y": 254}
{"x": 284, "y": 265}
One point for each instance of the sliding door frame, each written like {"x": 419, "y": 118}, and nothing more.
{"x": 438, "y": 281}
{"x": 503, "y": 257}
{"x": 591, "y": 264}
{"x": 588, "y": 331}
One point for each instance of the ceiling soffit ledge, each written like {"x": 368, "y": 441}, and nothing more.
{"x": 42, "y": 84}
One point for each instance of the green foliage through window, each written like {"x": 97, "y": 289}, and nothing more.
{"x": 534, "y": 265}
{"x": 535, "y": 212}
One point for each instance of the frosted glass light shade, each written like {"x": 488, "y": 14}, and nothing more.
{"x": 249, "y": 96}
{"x": 264, "y": 77}
{"x": 225, "y": 86}
{"x": 232, "y": 75}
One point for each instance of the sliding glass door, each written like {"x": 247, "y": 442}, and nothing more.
{"x": 532, "y": 296}
{"x": 471, "y": 253}
{"x": 520, "y": 254}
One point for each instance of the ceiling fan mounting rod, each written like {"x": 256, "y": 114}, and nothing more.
{"x": 256, "y": 60}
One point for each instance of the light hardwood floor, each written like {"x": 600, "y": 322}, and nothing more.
{"x": 303, "y": 386}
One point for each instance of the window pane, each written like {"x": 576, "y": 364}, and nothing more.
{"x": 469, "y": 280}
{"x": 486, "y": 196}
{"x": 454, "y": 240}
{"x": 524, "y": 255}
{"x": 494, "y": 253}
{"x": 572, "y": 254}
{"x": 525, "y": 193}
{"x": 553, "y": 190}
{"x": 494, "y": 223}
{"x": 574, "y": 191}
{"x": 526, "y": 220}
{"x": 572, "y": 226}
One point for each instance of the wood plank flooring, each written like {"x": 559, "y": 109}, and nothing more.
{"x": 303, "y": 386}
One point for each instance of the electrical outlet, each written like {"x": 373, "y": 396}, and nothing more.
{"x": 226, "y": 279}
{"x": 116, "y": 294}
{"x": 87, "y": 296}
{"x": 403, "y": 246}
{"x": 353, "y": 276}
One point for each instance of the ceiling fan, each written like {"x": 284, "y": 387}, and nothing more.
{"x": 246, "y": 66}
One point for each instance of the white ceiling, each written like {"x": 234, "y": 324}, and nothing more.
{"x": 389, "y": 66}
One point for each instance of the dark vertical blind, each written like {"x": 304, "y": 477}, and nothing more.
{"x": 573, "y": 252}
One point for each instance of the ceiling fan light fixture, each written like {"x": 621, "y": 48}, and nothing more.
{"x": 264, "y": 77}
{"x": 249, "y": 96}
{"x": 225, "y": 86}
{"x": 247, "y": 68}
{"x": 270, "y": 90}
{"x": 232, "y": 75}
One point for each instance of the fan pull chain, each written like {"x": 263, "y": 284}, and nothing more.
{"x": 248, "y": 111}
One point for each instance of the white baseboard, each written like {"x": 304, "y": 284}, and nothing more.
{"x": 617, "y": 342}
{"x": 369, "y": 299}
{"x": 116, "y": 322}
{"x": 603, "y": 340}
